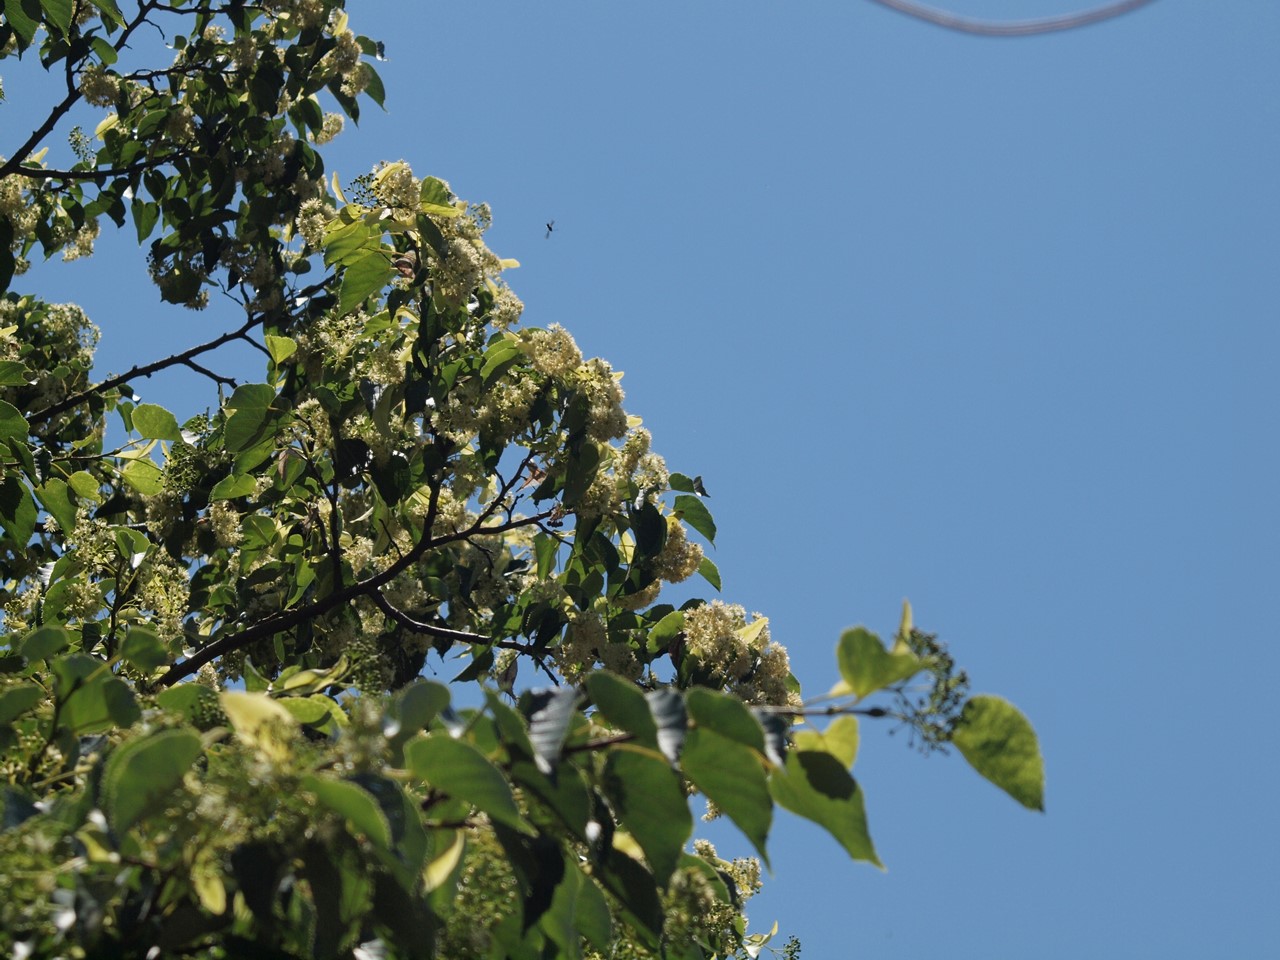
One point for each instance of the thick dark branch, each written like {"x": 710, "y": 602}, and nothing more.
{"x": 145, "y": 370}
{"x": 178, "y": 359}
{"x": 39, "y": 173}
{"x": 365, "y": 588}
{"x": 1011, "y": 28}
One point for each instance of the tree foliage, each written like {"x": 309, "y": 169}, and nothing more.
{"x": 217, "y": 737}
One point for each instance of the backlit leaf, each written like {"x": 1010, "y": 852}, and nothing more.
{"x": 154, "y": 422}
{"x": 817, "y": 786}
{"x": 141, "y": 774}
{"x": 1000, "y": 743}
{"x": 866, "y": 666}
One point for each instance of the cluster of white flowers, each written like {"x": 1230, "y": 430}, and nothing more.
{"x": 224, "y": 522}
{"x": 506, "y": 309}
{"x": 99, "y": 86}
{"x": 553, "y": 351}
{"x": 460, "y": 271}
{"x": 15, "y": 205}
{"x": 330, "y": 127}
{"x": 180, "y": 124}
{"x": 606, "y": 420}
{"x": 578, "y": 650}
{"x": 641, "y": 598}
{"x": 81, "y": 242}
{"x": 394, "y": 185}
{"x": 312, "y": 217}
{"x": 680, "y": 557}
{"x": 739, "y": 653}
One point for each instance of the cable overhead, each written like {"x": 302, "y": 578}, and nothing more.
{"x": 1011, "y": 28}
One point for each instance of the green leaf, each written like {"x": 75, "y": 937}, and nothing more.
{"x": 17, "y": 700}
{"x": 726, "y": 715}
{"x": 58, "y": 13}
{"x": 232, "y": 486}
{"x": 144, "y": 476}
{"x": 816, "y": 785}
{"x": 500, "y": 355}
{"x": 145, "y": 213}
{"x": 24, "y": 25}
{"x": 591, "y": 914}
{"x": 731, "y": 774}
{"x": 710, "y": 572}
{"x": 560, "y": 922}
{"x": 191, "y": 701}
{"x": 102, "y": 704}
{"x": 13, "y": 373}
{"x": 43, "y": 642}
{"x": 86, "y": 487}
{"x": 460, "y": 770}
{"x": 154, "y": 422}
{"x": 693, "y": 512}
{"x": 144, "y": 649}
{"x": 1000, "y": 743}
{"x": 112, "y": 12}
{"x": 665, "y": 631}
{"x": 280, "y": 348}
{"x": 434, "y": 198}
{"x": 866, "y": 666}
{"x": 622, "y": 703}
{"x": 362, "y": 279}
{"x": 259, "y": 720}
{"x": 840, "y": 739}
{"x": 54, "y": 497}
{"x": 297, "y": 682}
{"x": 17, "y": 511}
{"x": 253, "y": 406}
{"x": 354, "y": 804}
{"x": 413, "y": 708}
{"x": 13, "y": 425}
{"x": 650, "y": 802}
{"x": 107, "y": 54}
{"x": 141, "y": 774}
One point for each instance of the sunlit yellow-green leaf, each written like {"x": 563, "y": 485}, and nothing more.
{"x": 144, "y": 476}
{"x": 1000, "y": 743}
{"x": 260, "y": 721}
{"x": 154, "y": 422}
{"x": 866, "y": 666}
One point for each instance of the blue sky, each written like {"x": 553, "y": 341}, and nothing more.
{"x": 990, "y": 324}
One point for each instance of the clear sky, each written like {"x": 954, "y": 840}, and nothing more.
{"x": 990, "y": 324}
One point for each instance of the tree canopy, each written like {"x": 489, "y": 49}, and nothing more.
{"x": 217, "y": 737}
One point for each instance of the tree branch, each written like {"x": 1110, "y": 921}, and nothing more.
{"x": 1010, "y": 28}
{"x": 145, "y": 370}
{"x": 12, "y": 164}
